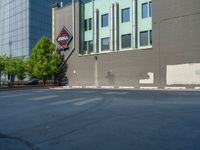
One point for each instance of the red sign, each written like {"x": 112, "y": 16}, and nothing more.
{"x": 64, "y": 38}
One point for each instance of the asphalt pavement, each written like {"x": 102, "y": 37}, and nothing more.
{"x": 92, "y": 119}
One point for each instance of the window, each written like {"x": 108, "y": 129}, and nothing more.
{"x": 85, "y": 25}
{"x": 90, "y": 43}
{"x": 150, "y": 9}
{"x": 90, "y": 24}
{"x": 104, "y": 20}
{"x": 144, "y": 38}
{"x": 126, "y": 15}
{"x": 150, "y": 34}
{"x": 88, "y": 47}
{"x": 105, "y": 44}
{"x": 126, "y": 41}
{"x": 85, "y": 47}
{"x": 145, "y": 10}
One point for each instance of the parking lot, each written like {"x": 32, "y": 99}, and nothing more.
{"x": 92, "y": 119}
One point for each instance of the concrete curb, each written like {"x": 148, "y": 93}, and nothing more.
{"x": 169, "y": 88}
{"x": 24, "y": 88}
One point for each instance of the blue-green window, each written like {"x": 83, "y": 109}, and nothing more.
{"x": 105, "y": 44}
{"x": 88, "y": 46}
{"x": 85, "y": 25}
{"x": 144, "y": 38}
{"x": 104, "y": 20}
{"x": 144, "y": 10}
{"x": 90, "y": 43}
{"x": 150, "y": 34}
{"x": 85, "y": 46}
{"x": 150, "y": 9}
{"x": 126, "y": 15}
{"x": 126, "y": 41}
{"x": 90, "y": 24}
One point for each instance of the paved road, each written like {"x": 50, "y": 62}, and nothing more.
{"x": 43, "y": 119}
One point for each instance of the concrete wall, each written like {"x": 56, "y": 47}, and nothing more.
{"x": 176, "y": 51}
{"x": 176, "y": 30}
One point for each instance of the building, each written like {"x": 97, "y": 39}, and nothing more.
{"x": 22, "y": 24}
{"x": 132, "y": 43}
{"x": 118, "y": 26}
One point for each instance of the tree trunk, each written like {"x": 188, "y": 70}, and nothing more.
{"x": 44, "y": 81}
{"x": 0, "y": 79}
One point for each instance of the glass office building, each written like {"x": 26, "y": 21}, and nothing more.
{"x": 22, "y": 24}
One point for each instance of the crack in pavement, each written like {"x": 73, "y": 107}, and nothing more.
{"x": 22, "y": 141}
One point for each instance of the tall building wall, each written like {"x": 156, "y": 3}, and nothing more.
{"x": 173, "y": 59}
{"x": 22, "y": 23}
{"x": 176, "y": 29}
{"x": 14, "y": 27}
{"x": 40, "y": 20}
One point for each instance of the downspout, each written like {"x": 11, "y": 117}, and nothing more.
{"x": 94, "y": 49}
{"x": 73, "y": 21}
{"x": 53, "y": 25}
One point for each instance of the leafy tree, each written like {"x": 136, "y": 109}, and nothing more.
{"x": 2, "y": 66}
{"x": 10, "y": 65}
{"x": 44, "y": 61}
{"x": 20, "y": 70}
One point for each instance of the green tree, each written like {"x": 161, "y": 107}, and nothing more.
{"x": 20, "y": 70}
{"x": 2, "y": 66}
{"x": 10, "y": 65}
{"x": 10, "y": 68}
{"x": 44, "y": 61}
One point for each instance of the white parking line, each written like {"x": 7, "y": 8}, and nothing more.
{"x": 122, "y": 93}
{"x": 43, "y": 97}
{"x": 88, "y": 101}
{"x": 67, "y": 101}
{"x": 87, "y": 92}
{"x": 110, "y": 93}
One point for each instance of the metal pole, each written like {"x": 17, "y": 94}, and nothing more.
{"x": 73, "y": 21}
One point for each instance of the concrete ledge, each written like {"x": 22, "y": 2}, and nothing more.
{"x": 175, "y": 88}
{"x": 126, "y": 87}
{"x": 91, "y": 87}
{"x": 57, "y": 88}
{"x": 66, "y": 87}
{"x": 107, "y": 87}
{"x": 77, "y": 87}
{"x": 149, "y": 88}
